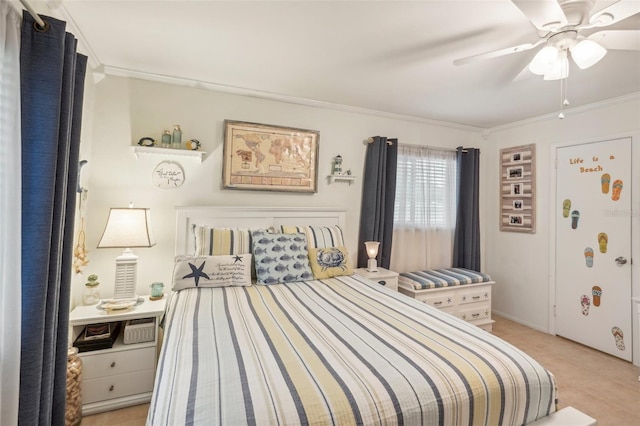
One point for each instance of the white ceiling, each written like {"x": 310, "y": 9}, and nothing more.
{"x": 389, "y": 56}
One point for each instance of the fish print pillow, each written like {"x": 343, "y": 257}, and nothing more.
{"x": 280, "y": 258}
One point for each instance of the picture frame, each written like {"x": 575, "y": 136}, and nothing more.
{"x": 266, "y": 157}
{"x": 515, "y": 172}
{"x": 517, "y": 189}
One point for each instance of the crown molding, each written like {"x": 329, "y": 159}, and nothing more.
{"x": 567, "y": 111}
{"x": 59, "y": 11}
{"x": 199, "y": 84}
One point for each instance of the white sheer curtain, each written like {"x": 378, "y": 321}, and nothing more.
{"x": 10, "y": 200}
{"x": 425, "y": 209}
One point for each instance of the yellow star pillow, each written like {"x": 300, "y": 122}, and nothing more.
{"x": 329, "y": 262}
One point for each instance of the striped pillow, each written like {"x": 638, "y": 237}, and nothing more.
{"x": 221, "y": 241}
{"x": 318, "y": 236}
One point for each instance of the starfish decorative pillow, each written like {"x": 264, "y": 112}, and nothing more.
{"x": 212, "y": 271}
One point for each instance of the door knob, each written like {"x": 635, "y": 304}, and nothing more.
{"x": 621, "y": 260}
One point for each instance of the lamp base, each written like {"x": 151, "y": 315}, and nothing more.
{"x": 126, "y": 274}
{"x": 372, "y": 265}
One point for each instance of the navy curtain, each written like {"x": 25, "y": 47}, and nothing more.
{"x": 466, "y": 245}
{"x": 378, "y": 198}
{"x": 52, "y": 81}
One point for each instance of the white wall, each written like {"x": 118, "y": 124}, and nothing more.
{"x": 519, "y": 263}
{"x": 128, "y": 109}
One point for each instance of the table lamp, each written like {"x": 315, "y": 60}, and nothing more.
{"x": 372, "y": 252}
{"x": 126, "y": 228}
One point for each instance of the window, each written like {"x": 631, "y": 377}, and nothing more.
{"x": 425, "y": 209}
{"x": 425, "y": 188}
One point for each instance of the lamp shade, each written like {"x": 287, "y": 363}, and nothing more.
{"x": 372, "y": 248}
{"x": 587, "y": 53}
{"x": 128, "y": 227}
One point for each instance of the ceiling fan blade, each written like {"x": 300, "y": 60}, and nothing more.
{"x": 615, "y": 13}
{"x": 600, "y": 5}
{"x": 545, "y": 15}
{"x": 497, "y": 53}
{"x": 617, "y": 40}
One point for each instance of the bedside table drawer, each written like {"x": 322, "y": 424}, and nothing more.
{"x": 114, "y": 363}
{"x": 392, "y": 282}
{"x": 117, "y": 386}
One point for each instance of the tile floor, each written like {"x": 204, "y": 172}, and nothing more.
{"x": 602, "y": 386}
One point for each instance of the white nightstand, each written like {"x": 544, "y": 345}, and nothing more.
{"x": 122, "y": 375}
{"x": 382, "y": 276}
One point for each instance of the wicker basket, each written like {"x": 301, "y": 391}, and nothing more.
{"x": 139, "y": 330}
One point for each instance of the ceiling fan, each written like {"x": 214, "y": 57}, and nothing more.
{"x": 570, "y": 28}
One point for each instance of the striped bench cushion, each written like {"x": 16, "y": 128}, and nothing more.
{"x": 436, "y": 278}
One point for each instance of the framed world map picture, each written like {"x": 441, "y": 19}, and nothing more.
{"x": 269, "y": 158}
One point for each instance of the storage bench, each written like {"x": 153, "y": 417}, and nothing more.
{"x": 460, "y": 292}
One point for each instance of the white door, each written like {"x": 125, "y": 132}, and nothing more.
{"x": 593, "y": 245}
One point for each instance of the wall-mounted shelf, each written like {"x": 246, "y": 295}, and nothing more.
{"x": 137, "y": 150}
{"x": 341, "y": 178}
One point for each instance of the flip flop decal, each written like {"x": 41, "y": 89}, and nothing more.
{"x": 575, "y": 215}
{"x": 604, "y": 182}
{"x": 617, "y": 189}
{"x": 596, "y": 292}
{"x": 586, "y": 303}
{"x": 602, "y": 242}
{"x": 566, "y": 206}
{"x": 619, "y": 336}
{"x": 588, "y": 257}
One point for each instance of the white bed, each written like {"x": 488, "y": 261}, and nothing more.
{"x": 337, "y": 351}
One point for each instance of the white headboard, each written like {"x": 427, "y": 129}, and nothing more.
{"x": 249, "y": 217}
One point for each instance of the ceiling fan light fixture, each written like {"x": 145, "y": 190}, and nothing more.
{"x": 587, "y": 53}
{"x": 544, "y": 60}
{"x": 560, "y": 69}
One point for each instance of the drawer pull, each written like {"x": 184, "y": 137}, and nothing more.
{"x": 475, "y": 315}
{"x": 476, "y": 297}
{"x": 382, "y": 282}
{"x": 437, "y": 303}
{"x": 111, "y": 388}
{"x": 113, "y": 364}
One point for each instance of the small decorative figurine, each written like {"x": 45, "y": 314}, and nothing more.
{"x": 337, "y": 165}
{"x": 193, "y": 144}
{"x": 146, "y": 141}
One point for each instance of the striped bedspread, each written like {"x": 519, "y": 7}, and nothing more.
{"x": 341, "y": 351}
{"x": 435, "y": 278}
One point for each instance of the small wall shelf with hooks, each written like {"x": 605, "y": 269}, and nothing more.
{"x": 137, "y": 150}
{"x": 341, "y": 178}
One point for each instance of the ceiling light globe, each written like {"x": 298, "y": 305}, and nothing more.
{"x": 587, "y": 53}
{"x": 544, "y": 60}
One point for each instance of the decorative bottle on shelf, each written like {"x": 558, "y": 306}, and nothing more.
{"x": 73, "y": 402}
{"x": 176, "y": 141}
{"x": 166, "y": 139}
{"x": 91, "y": 292}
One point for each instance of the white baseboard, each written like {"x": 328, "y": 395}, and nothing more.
{"x": 519, "y": 321}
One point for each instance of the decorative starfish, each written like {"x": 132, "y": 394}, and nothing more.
{"x": 196, "y": 273}
{"x": 237, "y": 258}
